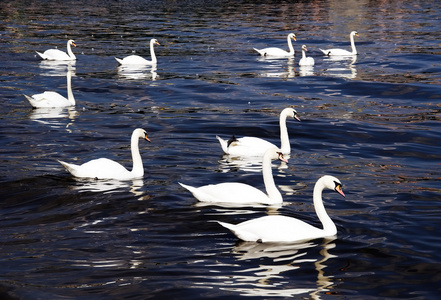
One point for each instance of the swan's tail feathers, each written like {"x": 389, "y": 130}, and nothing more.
{"x": 41, "y": 55}
{"x": 30, "y": 99}
{"x": 187, "y": 187}
{"x": 223, "y": 143}
{"x": 69, "y": 167}
{"x": 241, "y": 234}
{"x": 259, "y": 51}
{"x": 325, "y": 52}
{"x": 119, "y": 61}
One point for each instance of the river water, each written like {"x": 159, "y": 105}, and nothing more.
{"x": 374, "y": 122}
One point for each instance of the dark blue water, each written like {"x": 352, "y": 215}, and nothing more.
{"x": 374, "y": 123}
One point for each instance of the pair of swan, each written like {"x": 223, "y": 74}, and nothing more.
{"x": 253, "y": 146}
{"x": 277, "y": 52}
{"x": 104, "y": 168}
{"x": 53, "y": 99}
{"x": 55, "y": 54}
{"x": 240, "y": 193}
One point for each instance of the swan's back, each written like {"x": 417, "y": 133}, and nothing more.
{"x": 274, "y": 229}
{"x": 231, "y": 192}
{"x": 133, "y": 60}
{"x": 48, "y": 99}
{"x": 250, "y": 146}
{"x": 101, "y": 168}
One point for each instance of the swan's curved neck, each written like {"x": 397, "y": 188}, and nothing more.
{"x": 70, "y": 95}
{"x": 268, "y": 180}
{"x": 285, "y": 146}
{"x": 354, "y": 50}
{"x": 291, "y": 48}
{"x": 152, "y": 52}
{"x": 328, "y": 225}
{"x": 69, "y": 52}
{"x": 303, "y": 54}
{"x": 138, "y": 168}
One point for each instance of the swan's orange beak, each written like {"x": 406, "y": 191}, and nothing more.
{"x": 157, "y": 43}
{"x": 296, "y": 117}
{"x": 339, "y": 190}
{"x": 74, "y": 44}
{"x": 294, "y": 38}
{"x": 147, "y": 139}
{"x": 281, "y": 158}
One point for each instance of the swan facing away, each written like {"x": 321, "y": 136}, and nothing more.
{"x": 253, "y": 146}
{"x": 104, "y": 168}
{"x": 53, "y": 99}
{"x": 306, "y": 61}
{"x": 138, "y": 60}
{"x": 276, "y": 228}
{"x": 337, "y": 51}
{"x": 277, "y": 52}
{"x": 240, "y": 193}
{"x": 55, "y": 54}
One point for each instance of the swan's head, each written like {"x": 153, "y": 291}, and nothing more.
{"x": 141, "y": 134}
{"x": 154, "y": 41}
{"x": 290, "y": 112}
{"x": 354, "y": 33}
{"x": 275, "y": 153}
{"x": 304, "y": 48}
{"x": 71, "y": 42}
{"x": 332, "y": 183}
{"x": 292, "y": 36}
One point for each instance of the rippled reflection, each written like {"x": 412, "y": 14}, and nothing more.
{"x": 108, "y": 186}
{"x": 271, "y": 260}
{"x": 341, "y": 66}
{"x": 137, "y": 72}
{"x": 54, "y": 116}
{"x": 56, "y": 67}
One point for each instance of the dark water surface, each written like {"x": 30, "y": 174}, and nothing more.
{"x": 374, "y": 123}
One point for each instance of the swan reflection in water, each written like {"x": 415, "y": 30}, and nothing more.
{"x": 108, "y": 186}
{"x": 54, "y": 116}
{"x": 56, "y": 67}
{"x": 278, "y": 68}
{"x": 341, "y": 66}
{"x": 270, "y": 260}
{"x": 230, "y": 163}
{"x": 137, "y": 72}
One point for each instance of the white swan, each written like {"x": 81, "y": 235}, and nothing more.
{"x": 104, "y": 168}
{"x": 277, "y": 52}
{"x": 53, "y": 99}
{"x": 342, "y": 52}
{"x": 240, "y": 193}
{"x": 275, "y": 228}
{"x": 138, "y": 60}
{"x": 55, "y": 54}
{"x": 253, "y": 146}
{"x": 306, "y": 61}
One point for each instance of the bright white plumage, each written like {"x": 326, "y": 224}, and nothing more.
{"x": 104, "y": 168}
{"x": 343, "y": 52}
{"x": 306, "y": 61}
{"x": 138, "y": 60}
{"x": 53, "y": 99}
{"x": 275, "y": 228}
{"x": 55, "y": 54}
{"x": 253, "y": 146}
{"x": 277, "y": 52}
{"x": 240, "y": 193}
